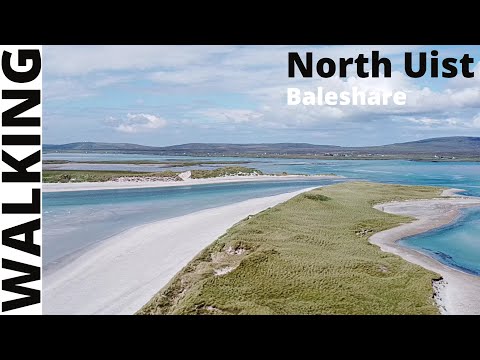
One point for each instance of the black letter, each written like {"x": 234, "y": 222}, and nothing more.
{"x": 27, "y": 245}
{"x": 466, "y": 61}
{"x": 331, "y": 67}
{"x": 31, "y": 208}
{"x": 343, "y": 66}
{"x": 22, "y": 175}
{"x": 23, "y": 56}
{"x": 21, "y": 139}
{"x": 32, "y": 295}
{"x": 294, "y": 58}
{"x": 387, "y": 65}
{"x": 361, "y": 61}
{"x": 447, "y": 64}
{"x": 434, "y": 66}
{"x": 32, "y": 99}
{"x": 422, "y": 66}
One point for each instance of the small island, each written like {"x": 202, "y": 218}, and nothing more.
{"x": 74, "y": 180}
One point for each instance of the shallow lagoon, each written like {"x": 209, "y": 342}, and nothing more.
{"x": 457, "y": 244}
{"x": 73, "y": 220}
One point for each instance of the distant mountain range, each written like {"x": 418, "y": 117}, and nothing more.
{"x": 458, "y": 146}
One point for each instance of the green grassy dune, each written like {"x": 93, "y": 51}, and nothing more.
{"x": 224, "y": 171}
{"x": 310, "y": 255}
{"x": 66, "y": 176}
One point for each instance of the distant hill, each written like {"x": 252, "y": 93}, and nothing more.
{"x": 445, "y": 146}
{"x": 276, "y": 148}
{"x": 94, "y": 146}
{"x": 460, "y": 145}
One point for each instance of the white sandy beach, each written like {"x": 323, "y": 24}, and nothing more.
{"x": 459, "y": 292}
{"x": 122, "y": 273}
{"x": 52, "y": 187}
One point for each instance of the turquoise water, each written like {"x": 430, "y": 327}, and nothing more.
{"x": 74, "y": 220}
{"x": 465, "y": 175}
{"x": 457, "y": 245}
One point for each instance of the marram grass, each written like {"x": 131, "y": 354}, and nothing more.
{"x": 310, "y": 255}
{"x": 72, "y": 176}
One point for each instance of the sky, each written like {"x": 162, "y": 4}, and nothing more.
{"x": 167, "y": 95}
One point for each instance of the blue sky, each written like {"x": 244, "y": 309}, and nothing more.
{"x": 165, "y": 95}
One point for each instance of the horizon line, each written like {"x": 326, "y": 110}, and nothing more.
{"x": 265, "y": 143}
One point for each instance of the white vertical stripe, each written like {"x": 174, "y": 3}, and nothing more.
{"x": 19, "y": 192}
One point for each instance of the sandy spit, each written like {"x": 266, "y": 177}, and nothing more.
{"x": 122, "y": 273}
{"x": 459, "y": 292}
{"x": 53, "y": 187}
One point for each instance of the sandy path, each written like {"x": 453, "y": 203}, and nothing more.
{"x": 53, "y": 187}
{"x": 122, "y": 273}
{"x": 460, "y": 292}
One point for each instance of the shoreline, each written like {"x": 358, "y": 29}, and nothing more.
{"x": 458, "y": 292}
{"x": 112, "y": 185}
{"x": 122, "y": 273}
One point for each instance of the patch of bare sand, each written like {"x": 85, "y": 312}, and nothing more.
{"x": 138, "y": 182}
{"x": 120, "y": 274}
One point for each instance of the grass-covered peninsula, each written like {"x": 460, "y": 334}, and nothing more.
{"x": 310, "y": 255}
{"x": 73, "y": 176}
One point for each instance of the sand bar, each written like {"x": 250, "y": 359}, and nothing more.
{"x": 459, "y": 293}
{"x": 119, "y": 275}
{"x": 53, "y": 187}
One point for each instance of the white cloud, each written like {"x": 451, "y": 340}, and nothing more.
{"x": 267, "y": 56}
{"x": 476, "y": 121}
{"x": 110, "y": 80}
{"x": 257, "y": 74}
{"x": 236, "y": 116}
{"x": 189, "y": 76}
{"x": 430, "y": 122}
{"x": 80, "y": 60}
{"x": 65, "y": 89}
{"x": 136, "y": 123}
{"x": 469, "y": 97}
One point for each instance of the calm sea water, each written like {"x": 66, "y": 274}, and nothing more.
{"x": 75, "y": 219}
{"x": 465, "y": 175}
{"x": 457, "y": 245}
